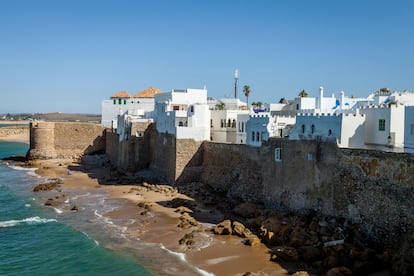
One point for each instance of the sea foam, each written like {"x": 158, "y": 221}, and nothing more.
{"x": 181, "y": 256}
{"x": 30, "y": 221}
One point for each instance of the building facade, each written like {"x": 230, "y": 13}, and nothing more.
{"x": 183, "y": 113}
{"x": 140, "y": 105}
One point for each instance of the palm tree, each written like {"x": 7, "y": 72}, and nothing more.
{"x": 246, "y": 90}
{"x": 303, "y": 94}
{"x": 220, "y": 105}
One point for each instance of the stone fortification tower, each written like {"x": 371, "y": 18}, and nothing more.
{"x": 42, "y": 140}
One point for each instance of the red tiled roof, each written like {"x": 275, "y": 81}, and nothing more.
{"x": 147, "y": 93}
{"x": 121, "y": 94}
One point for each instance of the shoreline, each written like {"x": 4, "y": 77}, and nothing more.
{"x": 160, "y": 218}
{"x": 17, "y": 133}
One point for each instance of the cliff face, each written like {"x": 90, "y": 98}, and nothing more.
{"x": 50, "y": 140}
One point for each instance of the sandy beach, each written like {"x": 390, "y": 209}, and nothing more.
{"x": 16, "y": 133}
{"x": 170, "y": 222}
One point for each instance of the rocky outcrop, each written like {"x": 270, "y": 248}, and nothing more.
{"x": 53, "y": 184}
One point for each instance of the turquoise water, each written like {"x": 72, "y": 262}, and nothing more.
{"x": 34, "y": 241}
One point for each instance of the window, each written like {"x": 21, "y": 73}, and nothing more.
{"x": 303, "y": 128}
{"x": 211, "y": 122}
{"x": 312, "y": 129}
{"x": 119, "y": 101}
{"x": 124, "y": 101}
{"x": 381, "y": 124}
{"x": 229, "y": 123}
{"x": 330, "y": 132}
{"x": 278, "y": 154}
{"x": 257, "y": 136}
{"x": 114, "y": 101}
{"x": 233, "y": 124}
{"x": 191, "y": 109}
{"x": 253, "y": 136}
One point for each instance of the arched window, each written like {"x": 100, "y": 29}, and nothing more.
{"x": 233, "y": 124}
{"x": 229, "y": 123}
{"x": 330, "y": 132}
{"x": 313, "y": 129}
{"x": 180, "y": 124}
{"x": 303, "y": 128}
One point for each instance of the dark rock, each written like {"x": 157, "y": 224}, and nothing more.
{"x": 45, "y": 187}
{"x": 286, "y": 253}
{"x": 310, "y": 253}
{"x": 247, "y": 210}
{"x": 339, "y": 271}
{"x": 74, "y": 208}
{"x": 51, "y": 202}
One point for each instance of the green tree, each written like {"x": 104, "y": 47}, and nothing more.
{"x": 303, "y": 94}
{"x": 220, "y": 105}
{"x": 257, "y": 104}
{"x": 246, "y": 90}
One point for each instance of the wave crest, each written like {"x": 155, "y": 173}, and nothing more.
{"x": 30, "y": 221}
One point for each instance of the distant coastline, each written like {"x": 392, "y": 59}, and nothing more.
{"x": 15, "y": 131}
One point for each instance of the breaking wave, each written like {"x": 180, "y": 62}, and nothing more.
{"x": 27, "y": 221}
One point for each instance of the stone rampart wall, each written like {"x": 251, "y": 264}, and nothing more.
{"x": 50, "y": 140}
{"x": 372, "y": 188}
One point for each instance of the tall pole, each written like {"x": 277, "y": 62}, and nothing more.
{"x": 236, "y": 77}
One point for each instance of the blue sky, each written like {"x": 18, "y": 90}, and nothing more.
{"x": 69, "y": 55}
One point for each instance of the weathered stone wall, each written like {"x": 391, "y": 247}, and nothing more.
{"x": 50, "y": 140}
{"x": 372, "y": 188}
{"x": 129, "y": 155}
{"x": 298, "y": 181}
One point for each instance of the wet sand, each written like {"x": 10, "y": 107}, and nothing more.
{"x": 220, "y": 255}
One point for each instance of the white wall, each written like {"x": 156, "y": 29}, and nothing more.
{"x": 191, "y": 121}
{"x": 352, "y": 132}
{"x": 394, "y": 125}
{"x": 143, "y": 107}
{"x": 409, "y": 127}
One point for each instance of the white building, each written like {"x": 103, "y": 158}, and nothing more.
{"x": 384, "y": 126}
{"x": 183, "y": 113}
{"x": 345, "y": 128}
{"x": 260, "y": 127}
{"x": 225, "y": 124}
{"x": 140, "y": 105}
{"x": 324, "y": 105}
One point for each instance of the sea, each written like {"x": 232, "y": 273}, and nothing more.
{"x": 40, "y": 240}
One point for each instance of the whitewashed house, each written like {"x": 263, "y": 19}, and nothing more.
{"x": 140, "y": 105}
{"x": 183, "y": 113}
{"x": 346, "y": 129}
{"x": 384, "y": 126}
{"x": 226, "y": 126}
{"x": 332, "y": 119}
